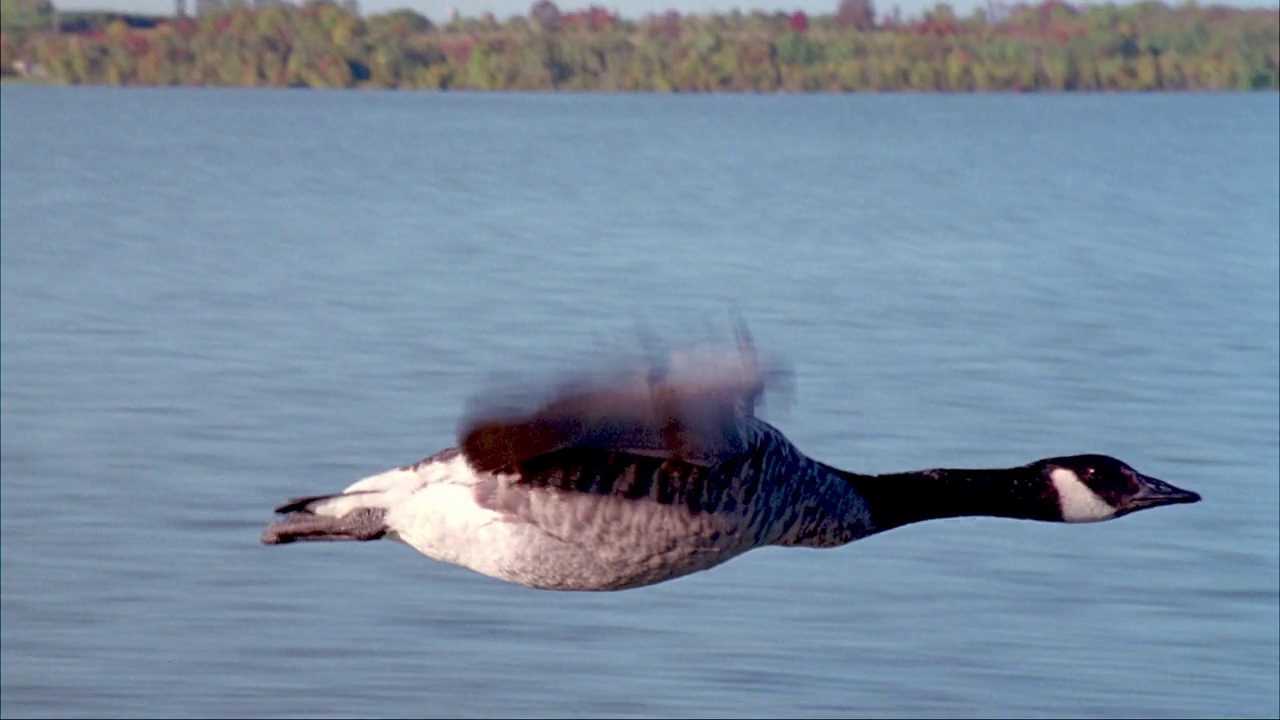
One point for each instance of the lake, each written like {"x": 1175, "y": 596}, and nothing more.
{"x": 214, "y": 300}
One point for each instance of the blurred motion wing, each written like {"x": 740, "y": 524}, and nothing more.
{"x": 687, "y": 406}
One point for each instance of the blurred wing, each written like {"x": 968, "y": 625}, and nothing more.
{"x": 688, "y": 407}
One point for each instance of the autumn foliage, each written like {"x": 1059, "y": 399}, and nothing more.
{"x": 1048, "y": 46}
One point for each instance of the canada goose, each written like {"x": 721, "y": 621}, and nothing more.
{"x": 639, "y": 479}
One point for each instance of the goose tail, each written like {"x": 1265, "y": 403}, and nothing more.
{"x": 359, "y": 515}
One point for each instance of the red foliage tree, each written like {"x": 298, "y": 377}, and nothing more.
{"x": 799, "y": 22}
{"x": 186, "y": 27}
{"x": 545, "y": 15}
{"x": 665, "y": 26}
{"x": 136, "y": 44}
{"x": 856, "y": 15}
{"x": 593, "y": 19}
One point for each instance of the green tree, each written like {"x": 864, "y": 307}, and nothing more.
{"x": 18, "y": 15}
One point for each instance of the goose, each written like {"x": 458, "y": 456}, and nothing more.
{"x": 641, "y": 477}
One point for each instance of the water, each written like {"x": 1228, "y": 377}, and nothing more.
{"x": 216, "y": 300}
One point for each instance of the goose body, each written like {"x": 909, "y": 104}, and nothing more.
{"x": 655, "y": 475}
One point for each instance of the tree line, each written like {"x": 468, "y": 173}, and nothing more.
{"x": 1050, "y": 46}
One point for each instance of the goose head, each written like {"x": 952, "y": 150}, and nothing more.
{"x": 1091, "y": 488}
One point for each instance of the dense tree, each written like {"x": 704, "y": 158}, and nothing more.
{"x": 17, "y": 15}
{"x": 1049, "y": 46}
{"x": 545, "y": 15}
{"x": 855, "y": 15}
{"x": 799, "y": 22}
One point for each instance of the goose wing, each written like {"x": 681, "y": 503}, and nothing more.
{"x": 688, "y": 407}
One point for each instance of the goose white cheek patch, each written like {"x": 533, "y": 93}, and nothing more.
{"x": 1079, "y": 504}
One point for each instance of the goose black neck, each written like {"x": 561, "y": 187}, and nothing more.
{"x": 903, "y": 498}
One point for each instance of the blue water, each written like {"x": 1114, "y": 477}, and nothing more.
{"x": 216, "y": 300}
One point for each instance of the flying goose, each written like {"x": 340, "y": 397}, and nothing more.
{"x": 633, "y": 480}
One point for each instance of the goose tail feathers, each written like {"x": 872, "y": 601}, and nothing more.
{"x": 357, "y": 515}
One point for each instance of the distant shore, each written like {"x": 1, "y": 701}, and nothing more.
{"x": 1051, "y": 46}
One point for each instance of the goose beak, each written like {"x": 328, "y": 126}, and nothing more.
{"x": 1154, "y": 492}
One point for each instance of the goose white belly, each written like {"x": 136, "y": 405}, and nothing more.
{"x": 549, "y": 538}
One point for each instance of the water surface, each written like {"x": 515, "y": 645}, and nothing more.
{"x": 216, "y": 300}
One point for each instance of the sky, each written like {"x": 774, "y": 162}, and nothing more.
{"x": 436, "y": 10}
